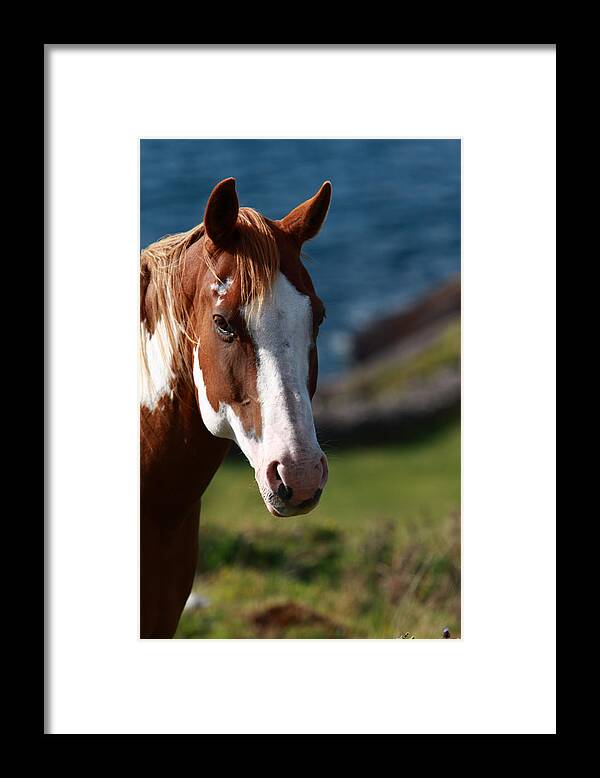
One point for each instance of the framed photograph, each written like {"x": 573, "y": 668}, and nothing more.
{"x": 291, "y": 438}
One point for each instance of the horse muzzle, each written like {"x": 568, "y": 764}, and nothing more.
{"x": 293, "y": 489}
{"x": 282, "y": 509}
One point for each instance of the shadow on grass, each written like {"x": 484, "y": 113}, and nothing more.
{"x": 302, "y": 552}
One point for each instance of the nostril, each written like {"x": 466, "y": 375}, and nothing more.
{"x": 311, "y": 500}
{"x": 276, "y": 482}
{"x": 273, "y": 476}
{"x": 285, "y": 492}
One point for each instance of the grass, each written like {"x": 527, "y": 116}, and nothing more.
{"x": 379, "y": 557}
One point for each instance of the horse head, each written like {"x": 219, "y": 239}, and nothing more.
{"x": 256, "y": 317}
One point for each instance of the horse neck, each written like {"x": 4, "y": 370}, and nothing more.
{"x": 179, "y": 456}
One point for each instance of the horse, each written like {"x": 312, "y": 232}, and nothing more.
{"x": 229, "y": 319}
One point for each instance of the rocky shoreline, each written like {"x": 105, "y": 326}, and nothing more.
{"x": 405, "y": 377}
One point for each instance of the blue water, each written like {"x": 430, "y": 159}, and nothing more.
{"x": 393, "y": 229}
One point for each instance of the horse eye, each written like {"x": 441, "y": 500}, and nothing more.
{"x": 223, "y": 327}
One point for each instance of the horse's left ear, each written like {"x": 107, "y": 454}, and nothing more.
{"x": 305, "y": 221}
{"x": 221, "y": 212}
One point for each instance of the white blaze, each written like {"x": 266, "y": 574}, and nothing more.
{"x": 282, "y": 335}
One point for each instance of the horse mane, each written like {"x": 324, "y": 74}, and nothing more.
{"x": 257, "y": 261}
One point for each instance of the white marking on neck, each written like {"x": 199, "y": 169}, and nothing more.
{"x": 156, "y": 378}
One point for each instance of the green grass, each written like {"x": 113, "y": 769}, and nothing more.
{"x": 379, "y": 557}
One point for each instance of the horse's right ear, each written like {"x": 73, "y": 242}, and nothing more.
{"x": 305, "y": 221}
{"x": 221, "y": 212}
